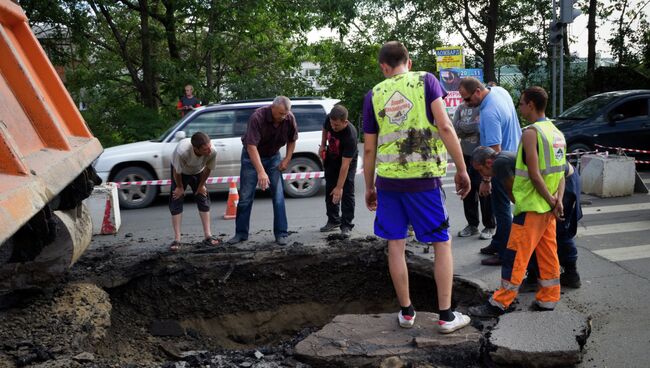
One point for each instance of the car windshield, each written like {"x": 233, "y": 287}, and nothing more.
{"x": 587, "y": 108}
{"x": 168, "y": 131}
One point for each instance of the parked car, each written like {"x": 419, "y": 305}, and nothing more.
{"x": 612, "y": 119}
{"x": 225, "y": 123}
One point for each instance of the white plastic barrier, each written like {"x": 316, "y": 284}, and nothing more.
{"x": 105, "y": 209}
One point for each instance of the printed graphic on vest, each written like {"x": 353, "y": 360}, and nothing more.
{"x": 558, "y": 146}
{"x": 397, "y": 108}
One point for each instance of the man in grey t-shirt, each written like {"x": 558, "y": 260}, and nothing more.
{"x": 466, "y": 122}
{"x": 192, "y": 161}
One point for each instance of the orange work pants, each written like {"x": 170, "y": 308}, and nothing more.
{"x": 530, "y": 232}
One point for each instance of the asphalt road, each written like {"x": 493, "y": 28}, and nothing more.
{"x": 614, "y": 257}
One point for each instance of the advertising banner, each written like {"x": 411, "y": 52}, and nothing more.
{"x": 450, "y": 81}
{"x": 449, "y": 57}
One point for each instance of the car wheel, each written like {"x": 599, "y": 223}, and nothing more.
{"x": 578, "y": 149}
{"x": 302, "y": 188}
{"x": 135, "y": 196}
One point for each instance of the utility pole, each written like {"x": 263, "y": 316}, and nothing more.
{"x": 557, "y": 32}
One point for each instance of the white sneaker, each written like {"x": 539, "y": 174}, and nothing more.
{"x": 487, "y": 233}
{"x": 406, "y": 321}
{"x": 460, "y": 321}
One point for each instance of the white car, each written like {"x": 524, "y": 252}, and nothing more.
{"x": 225, "y": 124}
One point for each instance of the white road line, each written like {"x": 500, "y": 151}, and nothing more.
{"x": 623, "y": 227}
{"x": 625, "y": 253}
{"x": 616, "y": 208}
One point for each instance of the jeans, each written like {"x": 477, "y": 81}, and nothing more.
{"x": 248, "y": 184}
{"x": 503, "y": 213}
{"x": 472, "y": 201}
{"x": 332, "y": 170}
{"x": 567, "y": 229}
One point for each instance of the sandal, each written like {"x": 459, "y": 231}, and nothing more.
{"x": 211, "y": 241}
{"x": 175, "y": 246}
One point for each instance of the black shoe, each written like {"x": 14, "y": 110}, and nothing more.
{"x": 492, "y": 261}
{"x": 529, "y": 285}
{"x": 485, "y": 310}
{"x": 570, "y": 279}
{"x": 535, "y": 307}
{"x": 236, "y": 239}
{"x": 489, "y": 250}
{"x": 345, "y": 231}
{"x": 329, "y": 227}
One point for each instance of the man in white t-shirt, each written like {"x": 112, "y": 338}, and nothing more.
{"x": 192, "y": 161}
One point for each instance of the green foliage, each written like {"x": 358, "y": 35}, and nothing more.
{"x": 129, "y": 60}
{"x": 349, "y": 70}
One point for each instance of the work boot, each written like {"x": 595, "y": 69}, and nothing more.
{"x": 469, "y": 230}
{"x": 485, "y": 310}
{"x": 570, "y": 277}
{"x": 529, "y": 285}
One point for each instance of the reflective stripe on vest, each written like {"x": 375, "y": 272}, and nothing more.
{"x": 408, "y": 145}
{"x": 551, "y": 151}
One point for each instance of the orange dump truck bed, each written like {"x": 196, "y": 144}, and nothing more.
{"x": 44, "y": 141}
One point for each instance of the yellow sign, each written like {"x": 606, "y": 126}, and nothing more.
{"x": 449, "y": 57}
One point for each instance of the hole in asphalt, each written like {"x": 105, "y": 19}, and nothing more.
{"x": 266, "y": 300}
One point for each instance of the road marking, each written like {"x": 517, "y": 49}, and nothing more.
{"x": 616, "y": 208}
{"x": 625, "y": 253}
{"x": 623, "y": 227}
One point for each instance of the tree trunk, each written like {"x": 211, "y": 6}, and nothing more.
{"x": 149, "y": 89}
{"x": 170, "y": 29}
{"x": 591, "y": 45}
{"x": 488, "y": 50}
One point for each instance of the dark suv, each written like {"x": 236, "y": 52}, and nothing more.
{"x": 612, "y": 119}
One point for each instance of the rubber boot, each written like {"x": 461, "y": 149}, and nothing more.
{"x": 570, "y": 277}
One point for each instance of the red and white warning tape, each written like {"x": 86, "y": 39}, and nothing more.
{"x": 623, "y": 149}
{"x": 235, "y": 179}
{"x": 627, "y": 150}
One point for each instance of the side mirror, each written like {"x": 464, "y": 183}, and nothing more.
{"x": 179, "y": 135}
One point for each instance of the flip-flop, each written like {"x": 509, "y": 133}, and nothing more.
{"x": 175, "y": 246}
{"x": 211, "y": 241}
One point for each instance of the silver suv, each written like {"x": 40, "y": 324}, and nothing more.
{"x": 225, "y": 123}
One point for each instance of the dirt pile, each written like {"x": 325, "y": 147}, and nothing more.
{"x": 65, "y": 322}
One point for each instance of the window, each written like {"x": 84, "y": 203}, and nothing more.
{"x": 637, "y": 108}
{"x": 216, "y": 124}
{"x": 309, "y": 118}
{"x": 241, "y": 121}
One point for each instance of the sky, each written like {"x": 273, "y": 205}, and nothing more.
{"x": 577, "y": 33}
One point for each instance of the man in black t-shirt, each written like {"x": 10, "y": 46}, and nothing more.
{"x": 338, "y": 149}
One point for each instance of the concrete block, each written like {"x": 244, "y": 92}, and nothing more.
{"x": 104, "y": 209}
{"x": 355, "y": 340}
{"x": 607, "y": 176}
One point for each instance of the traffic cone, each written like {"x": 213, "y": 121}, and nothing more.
{"x": 233, "y": 199}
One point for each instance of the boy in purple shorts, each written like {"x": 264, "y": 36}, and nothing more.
{"x": 407, "y": 134}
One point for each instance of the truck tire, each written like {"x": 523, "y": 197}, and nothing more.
{"x": 302, "y": 188}
{"x": 136, "y": 196}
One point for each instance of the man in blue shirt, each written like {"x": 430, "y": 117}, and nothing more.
{"x": 499, "y": 129}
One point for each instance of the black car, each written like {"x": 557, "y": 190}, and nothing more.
{"x": 612, "y": 119}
